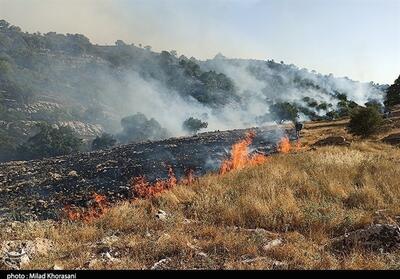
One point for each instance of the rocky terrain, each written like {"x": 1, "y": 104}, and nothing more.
{"x": 53, "y": 112}
{"x": 39, "y": 189}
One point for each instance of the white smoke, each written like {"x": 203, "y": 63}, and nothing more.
{"x": 152, "y": 97}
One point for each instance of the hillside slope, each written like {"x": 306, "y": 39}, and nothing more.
{"x": 291, "y": 212}
{"x": 39, "y": 189}
{"x": 68, "y": 81}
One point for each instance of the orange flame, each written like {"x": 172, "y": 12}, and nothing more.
{"x": 99, "y": 207}
{"x": 189, "y": 177}
{"x": 284, "y": 145}
{"x": 143, "y": 189}
{"x": 240, "y": 157}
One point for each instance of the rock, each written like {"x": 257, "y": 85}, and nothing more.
{"x": 248, "y": 260}
{"x": 202, "y": 254}
{"x": 15, "y": 224}
{"x": 333, "y": 140}
{"x": 109, "y": 257}
{"x": 161, "y": 214}
{"x": 15, "y": 258}
{"x": 272, "y": 244}
{"x": 17, "y": 253}
{"x": 58, "y": 267}
{"x": 73, "y": 174}
{"x": 24, "y": 260}
{"x": 109, "y": 240}
{"x": 161, "y": 264}
{"x": 278, "y": 265}
{"x": 378, "y": 237}
{"x": 55, "y": 176}
{"x": 393, "y": 139}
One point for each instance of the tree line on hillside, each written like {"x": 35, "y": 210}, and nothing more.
{"x": 69, "y": 66}
{"x": 51, "y": 140}
{"x": 54, "y": 141}
{"x": 30, "y": 64}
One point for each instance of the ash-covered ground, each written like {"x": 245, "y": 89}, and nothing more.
{"x": 40, "y": 189}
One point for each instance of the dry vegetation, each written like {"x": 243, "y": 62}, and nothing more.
{"x": 305, "y": 199}
{"x": 280, "y": 214}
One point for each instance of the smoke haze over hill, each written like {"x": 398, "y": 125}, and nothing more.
{"x": 341, "y": 37}
{"x": 67, "y": 80}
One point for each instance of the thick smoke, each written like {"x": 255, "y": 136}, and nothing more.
{"x": 257, "y": 84}
{"x": 170, "y": 109}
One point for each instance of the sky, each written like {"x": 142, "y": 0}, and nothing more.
{"x": 359, "y": 39}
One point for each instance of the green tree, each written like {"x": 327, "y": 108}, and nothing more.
{"x": 284, "y": 111}
{"x": 193, "y": 125}
{"x": 138, "y": 128}
{"x": 103, "y": 142}
{"x": 7, "y": 146}
{"x": 365, "y": 121}
{"x": 49, "y": 142}
{"x": 331, "y": 115}
{"x": 5, "y": 69}
{"x": 190, "y": 68}
{"x": 322, "y": 106}
{"x": 393, "y": 94}
{"x": 120, "y": 43}
{"x": 375, "y": 104}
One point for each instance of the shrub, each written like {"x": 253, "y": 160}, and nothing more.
{"x": 103, "y": 142}
{"x": 365, "y": 121}
{"x": 284, "y": 111}
{"x": 138, "y": 128}
{"x": 393, "y": 94}
{"x": 193, "y": 125}
{"x": 50, "y": 141}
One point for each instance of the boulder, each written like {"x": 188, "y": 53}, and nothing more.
{"x": 377, "y": 237}
{"x": 17, "y": 253}
{"x": 58, "y": 267}
{"x": 272, "y": 244}
{"x": 73, "y": 173}
{"x": 162, "y": 215}
{"x": 161, "y": 264}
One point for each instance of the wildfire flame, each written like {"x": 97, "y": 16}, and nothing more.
{"x": 240, "y": 157}
{"x": 143, "y": 189}
{"x": 284, "y": 145}
{"x": 98, "y": 207}
{"x": 189, "y": 177}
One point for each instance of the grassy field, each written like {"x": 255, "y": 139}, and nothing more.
{"x": 298, "y": 201}
{"x": 282, "y": 214}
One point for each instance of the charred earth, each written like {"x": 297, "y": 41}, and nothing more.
{"x": 40, "y": 189}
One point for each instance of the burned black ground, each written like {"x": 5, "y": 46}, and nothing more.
{"x": 40, "y": 189}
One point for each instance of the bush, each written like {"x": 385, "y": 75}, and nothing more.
{"x": 7, "y": 146}
{"x": 138, "y": 128}
{"x": 365, "y": 121}
{"x": 103, "y": 142}
{"x": 49, "y": 142}
{"x": 393, "y": 94}
{"x": 284, "y": 111}
{"x": 332, "y": 115}
{"x": 193, "y": 125}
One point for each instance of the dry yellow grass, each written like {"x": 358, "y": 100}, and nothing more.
{"x": 223, "y": 222}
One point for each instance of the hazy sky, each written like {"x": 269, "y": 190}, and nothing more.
{"x": 355, "y": 38}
